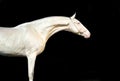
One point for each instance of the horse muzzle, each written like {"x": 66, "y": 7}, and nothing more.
{"x": 85, "y": 34}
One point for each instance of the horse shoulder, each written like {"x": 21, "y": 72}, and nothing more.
{"x": 33, "y": 40}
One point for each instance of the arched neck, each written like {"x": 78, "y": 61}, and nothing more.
{"x": 54, "y": 29}
{"x": 49, "y": 26}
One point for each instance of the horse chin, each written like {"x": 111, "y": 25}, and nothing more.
{"x": 86, "y": 36}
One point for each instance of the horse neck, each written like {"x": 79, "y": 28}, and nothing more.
{"x": 51, "y": 26}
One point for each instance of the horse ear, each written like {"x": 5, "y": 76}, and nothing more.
{"x": 72, "y": 17}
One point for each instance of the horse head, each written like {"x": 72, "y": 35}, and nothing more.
{"x": 77, "y": 27}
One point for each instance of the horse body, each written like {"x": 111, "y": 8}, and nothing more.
{"x": 9, "y": 41}
{"x": 29, "y": 39}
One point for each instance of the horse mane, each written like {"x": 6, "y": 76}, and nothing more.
{"x": 47, "y": 19}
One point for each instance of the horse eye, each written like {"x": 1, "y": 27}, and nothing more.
{"x": 77, "y": 22}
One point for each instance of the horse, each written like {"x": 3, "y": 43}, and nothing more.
{"x": 29, "y": 39}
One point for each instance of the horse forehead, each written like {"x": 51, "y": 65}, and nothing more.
{"x": 77, "y": 23}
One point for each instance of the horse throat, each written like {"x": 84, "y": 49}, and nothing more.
{"x": 51, "y": 30}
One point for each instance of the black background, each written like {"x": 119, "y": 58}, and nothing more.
{"x": 67, "y": 57}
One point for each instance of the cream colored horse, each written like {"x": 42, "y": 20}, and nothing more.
{"x": 29, "y": 39}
